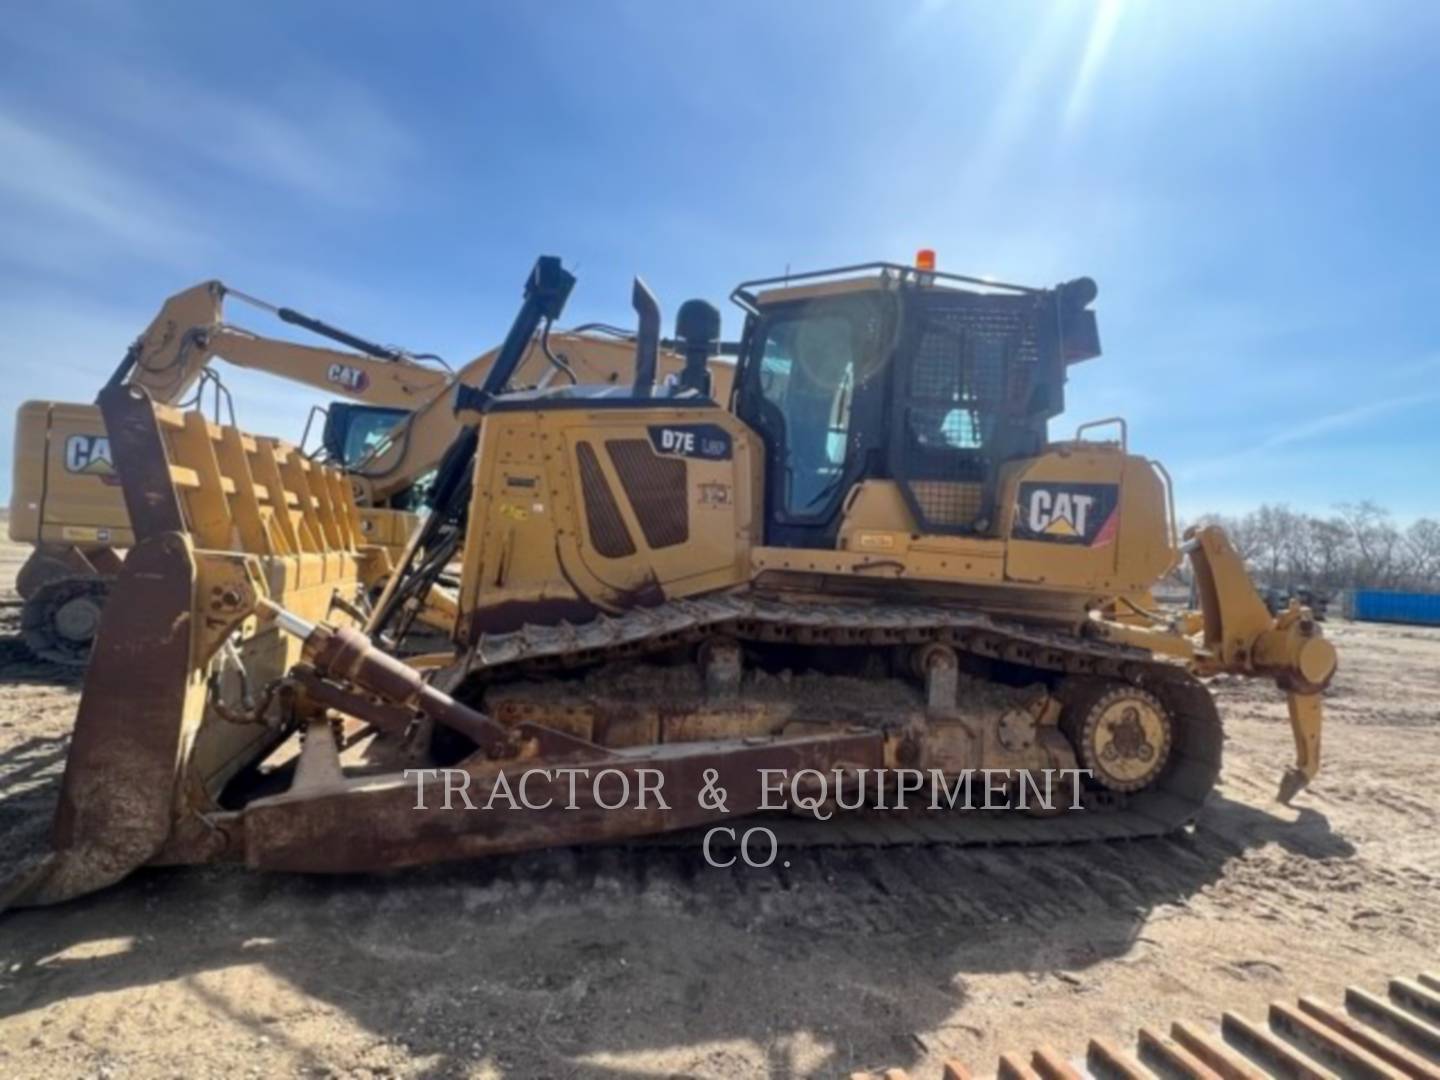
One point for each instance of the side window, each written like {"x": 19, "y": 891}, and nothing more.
{"x": 807, "y": 379}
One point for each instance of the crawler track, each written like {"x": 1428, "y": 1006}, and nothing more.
{"x": 1170, "y": 805}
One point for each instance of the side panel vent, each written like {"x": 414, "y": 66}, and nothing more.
{"x": 602, "y": 515}
{"x": 657, "y": 490}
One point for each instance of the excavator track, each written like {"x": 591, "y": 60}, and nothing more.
{"x": 1368, "y": 1037}
{"x": 1171, "y": 804}
{"x": 60, "y": 618}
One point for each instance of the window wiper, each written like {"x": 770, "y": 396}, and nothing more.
{"x": 827, "y": 490}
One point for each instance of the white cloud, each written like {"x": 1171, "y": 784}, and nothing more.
{"x": 1339, "y": 420}
{"x": 325, "y": 137}
{"x": 314, "y": 130}
{"x": 52, "y": 183}
{"x": 62, "y": 345}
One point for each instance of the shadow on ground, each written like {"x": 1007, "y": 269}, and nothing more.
{"x": 580, "y": 957}
{"x": 563, "y": 963}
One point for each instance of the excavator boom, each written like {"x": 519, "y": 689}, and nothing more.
{"x": 189, "y": 331}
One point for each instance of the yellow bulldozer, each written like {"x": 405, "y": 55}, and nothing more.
{"x": 867, "y": 560}
{"x": 388, "y": 437}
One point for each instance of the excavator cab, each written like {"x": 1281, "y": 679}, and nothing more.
{"x": 354, "y": 437}
{"x": 352, "y": 432}
{"x": 904, "y": 376}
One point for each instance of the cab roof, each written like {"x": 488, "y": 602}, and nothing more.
{"x": 861, "y": 277}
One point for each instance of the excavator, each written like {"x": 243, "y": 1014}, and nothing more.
{"x": 66, "y": 500}
{"x": 869, "y": 558}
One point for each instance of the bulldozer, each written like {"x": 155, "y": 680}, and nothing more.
{"x": 388, "y": 437}
{"x": 869, "y": 558}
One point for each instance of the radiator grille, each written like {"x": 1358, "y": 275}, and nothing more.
{"x": 602, "y": 515}
{"x": 656, "y": 488}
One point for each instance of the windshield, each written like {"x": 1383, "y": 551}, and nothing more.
{"x": 366, "y": 430}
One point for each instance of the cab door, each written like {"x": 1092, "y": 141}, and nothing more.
{"x": 813, "y": 388}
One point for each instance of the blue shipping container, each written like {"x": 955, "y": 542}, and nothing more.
{"x": 1374, "y": 605}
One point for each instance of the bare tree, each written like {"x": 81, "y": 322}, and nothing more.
{"x": 1377, "y": 542}
{"x": 1421, "y": 546}
{"x": 1358, "y": 547}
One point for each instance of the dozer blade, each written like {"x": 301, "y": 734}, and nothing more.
{"x": 221, "y": 518}
{"x": 115, "y": 799}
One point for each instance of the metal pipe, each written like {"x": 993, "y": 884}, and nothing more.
{"x": 647, "y": 338}
{"x": 316, "y": 326}
{"x": 287, "y": 620}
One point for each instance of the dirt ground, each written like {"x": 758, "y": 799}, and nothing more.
{"x": 611, "y": 963}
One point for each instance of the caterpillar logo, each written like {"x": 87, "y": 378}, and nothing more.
{"x": 1067, "y": 513}
{"x": 89, "y": 454}
{"x": 351, "y": 378}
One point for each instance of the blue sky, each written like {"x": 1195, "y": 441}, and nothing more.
{"x": 1253, "y": 186}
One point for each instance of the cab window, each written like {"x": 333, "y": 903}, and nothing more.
{"x": 366, "y": 430}
{"x": 807, "y": 379}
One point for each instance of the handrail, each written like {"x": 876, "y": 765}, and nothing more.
{"x": 1169, "y": 505}
{"x": 1120, "y": 420}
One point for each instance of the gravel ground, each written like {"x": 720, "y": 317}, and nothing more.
{"x": 610, "y": 963}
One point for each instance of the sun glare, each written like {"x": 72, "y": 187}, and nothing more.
{"x": 1097, "y": 45}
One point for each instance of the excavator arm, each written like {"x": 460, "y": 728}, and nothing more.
{"x": 168, "y": 359}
